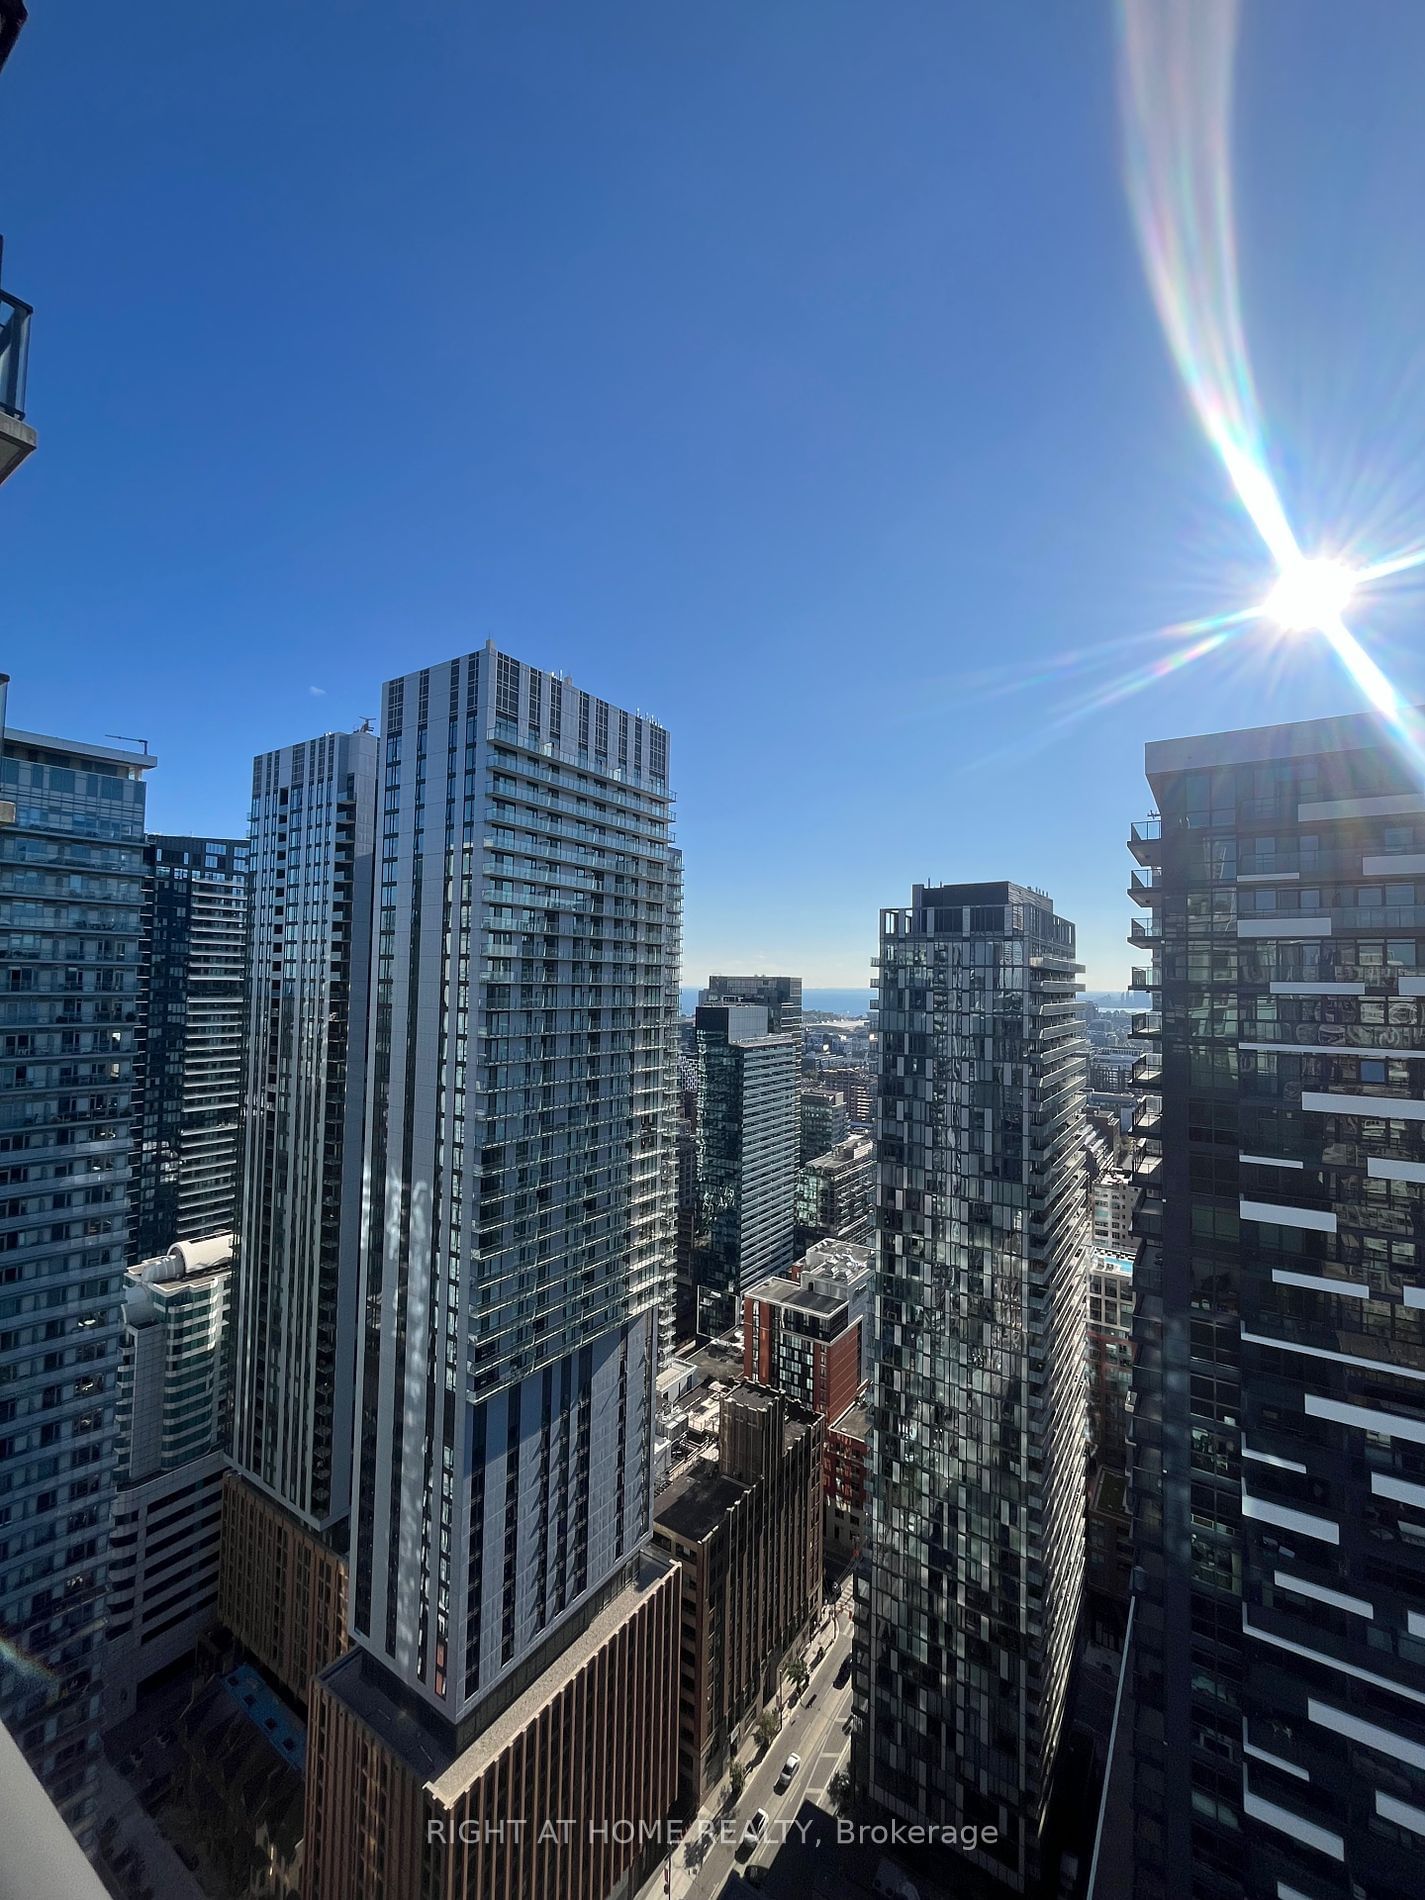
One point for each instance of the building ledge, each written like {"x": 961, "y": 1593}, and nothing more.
{"x": 17, "y": 440}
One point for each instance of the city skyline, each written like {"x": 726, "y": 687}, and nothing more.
{"x": 493, "y": 1405}
{"x": 910, "y": 282}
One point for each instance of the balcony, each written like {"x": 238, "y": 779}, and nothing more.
{"x": 1143, "y": 887}
{"x": 1143, "y": 838}
{"x": 17, "y": 438}
{"x": 1145, "y": 933}
{"x": 1148, "y": 1171}
{"x": 1148, "y": 1215}
{"x": 1147, "y": 1072}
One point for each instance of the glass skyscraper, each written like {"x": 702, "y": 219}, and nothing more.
{"x": 747, "y": 1145}
{"x": 311, "y": 850}
{"x": 191, "y": 1073}
{"x": 780, "y": 996}
{"x": 1278, "y": 1419}
{"x": 71, "y": 887}
{"x": 969, "y": 1597}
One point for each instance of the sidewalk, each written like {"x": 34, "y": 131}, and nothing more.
{"x": 806, "y": 1729}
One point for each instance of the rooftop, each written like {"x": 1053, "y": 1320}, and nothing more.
{"x": 78, "y": 751}
{"x": 417, "y": 1736}
{"x": 1106, "y": 1262}
{"x": 693, "y": 1505}
{"x": 792, "y": 1293}
{"x": 270, "y": 1717}
{"x": 947, "y": 896}
{"x": 1305, "y": 738}
{"x": 854, "y": 1422}
{"x": 652, "y": 1573}
{"x": 846, "y": 1154}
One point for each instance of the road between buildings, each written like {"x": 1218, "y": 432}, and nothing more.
{"x": 812, "y": 1727}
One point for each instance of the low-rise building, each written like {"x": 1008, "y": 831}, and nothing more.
{"x": 844, "y": 1486}
{"x": 282, "y": 1589}
{"x": 746, "y": 1531}
{"x": 1111, "y": 1207}
{"x": 239, "y": 1765}
{"x": 807, "y": 1335}
{"x": 170, "y": 1419}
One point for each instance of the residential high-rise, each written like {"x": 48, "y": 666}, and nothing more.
{"x": 311, "y": 855}
{"x": 968, "y": 1606}
{"x": 836, "y": 1193}
{"x": 189, "y": 1105}
{"x": 1110, "y": 1354}
{"x": 71, "y": 882}
{"x": 1278, "y": 1423}
{"x": 780, "y": 996}
{"x": 518, "y": 1234}
{"x": 825, "y": 1122}
{"x": 746, "y": 1156}
{"x": 686, "y": 1221}
{"x": 170, "y": 1457}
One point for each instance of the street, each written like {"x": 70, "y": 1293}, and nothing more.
{"x": 813, "y": 1728}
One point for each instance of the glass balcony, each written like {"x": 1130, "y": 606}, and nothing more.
{"x": 16, "y": 437}
{"x": 1143, "y": 836}
{"x": 1147, "y": 1072}
{"x": 14, "y": 353}
{"x": 1143, "y": 887}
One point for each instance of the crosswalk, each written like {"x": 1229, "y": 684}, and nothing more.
{"x": 833, "y": 1753}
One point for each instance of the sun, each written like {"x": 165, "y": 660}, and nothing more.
{"x": 1310, "y": 594}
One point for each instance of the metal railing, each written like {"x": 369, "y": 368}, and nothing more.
{"x": 14, "y": 353}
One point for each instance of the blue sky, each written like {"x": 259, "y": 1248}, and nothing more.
{"x": 780, "y": 370}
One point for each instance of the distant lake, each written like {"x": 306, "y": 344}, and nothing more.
{"x": 838, "y": 1002}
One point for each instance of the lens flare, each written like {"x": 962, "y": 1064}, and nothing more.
{"x": 1176, "y": 67}
{"x": 22, "y": 1663}
{"x": 1311, "y": 595}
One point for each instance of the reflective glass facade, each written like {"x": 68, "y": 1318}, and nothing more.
{"x": 190, "y": 1096}
{"x": 71, "y": 882}
{"x": 969, "y": 1596}
{"x": 747, "y": 1146}
{"x": 311, "y": 849}
{"x": 1278, "y": 1421}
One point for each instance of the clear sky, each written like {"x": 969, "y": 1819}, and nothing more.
{"x": 783, "y": 370}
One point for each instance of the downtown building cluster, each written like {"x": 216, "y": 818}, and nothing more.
{"x": 395, "y": 1430}
{"x": 343, "y": 1254}
{"x": 366, "y": 1209}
